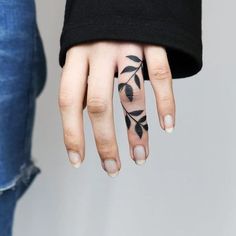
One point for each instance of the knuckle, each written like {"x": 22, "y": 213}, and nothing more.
{"x": 160, "y": 73}
{"x": 106, "y": 149}
{"x": 165, "y": 99}
{"x": 65, "y": 99}
{"x": 70, "y": 140}
{"x": 76, "y": 50}
{"x": 96, "y": 105}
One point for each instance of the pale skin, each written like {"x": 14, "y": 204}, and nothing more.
{"x": 88, "y": 81}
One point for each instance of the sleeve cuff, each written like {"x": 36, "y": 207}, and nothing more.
{"x": 184, "y": 49}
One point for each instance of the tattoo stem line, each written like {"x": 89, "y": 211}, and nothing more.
{"x": 134, "y": 73}
{"x": 131, "y": 116}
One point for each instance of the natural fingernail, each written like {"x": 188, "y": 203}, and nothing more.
{"x": 111, "y": 167}
{"x": 75, "y": 159}
{"x": 169, "y": 124}
{"x": 139, "y": 155}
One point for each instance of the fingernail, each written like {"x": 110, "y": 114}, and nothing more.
{"x": 75, "y": 159}
{"x": 111, "y": 167}
{"x": 139, "y": 155}
{"x": 168, "y": 122}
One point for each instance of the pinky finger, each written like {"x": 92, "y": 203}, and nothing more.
{"x": 161, "y": 81}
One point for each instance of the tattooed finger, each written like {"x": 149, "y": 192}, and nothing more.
{"x": 132, "y": 96}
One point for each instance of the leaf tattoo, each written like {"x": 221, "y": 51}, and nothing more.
{"x": 120, "y": 86}
{"x": 137, "y": 81}
{"x": 134, "y": 58}
{"x": 139, "y": 130}
{"x": 143, "y": 119}
{"x": 145, "y": 127}
{"x": 136, "y": 113}
{"x": 140, "y": 123}
{"x": 127, "y": 121}
{"x": 129, "y": 92}
{"x": 129, "y": 69}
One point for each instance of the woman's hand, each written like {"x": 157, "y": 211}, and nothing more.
{"x": 88, "y": 80}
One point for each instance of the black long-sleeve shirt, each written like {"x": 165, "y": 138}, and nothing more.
{"x": 174, "y": 24}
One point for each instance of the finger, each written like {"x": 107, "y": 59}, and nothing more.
{"x": 100, "y": 108}
{"x": 161, "y": 80}
{"x": 71, "y": 96}
{"x": 132, "y": 97}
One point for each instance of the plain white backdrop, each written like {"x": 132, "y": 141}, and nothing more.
{"x": 187, "y": 186}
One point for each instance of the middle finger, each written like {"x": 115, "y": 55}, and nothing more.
{"x": 100, "y": 107}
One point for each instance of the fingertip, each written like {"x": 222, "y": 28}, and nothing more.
{"x": 168, "y": 123}
{"x": 75, "y": 158}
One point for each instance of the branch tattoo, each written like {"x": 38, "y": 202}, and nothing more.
{"x": 140, "y": 123}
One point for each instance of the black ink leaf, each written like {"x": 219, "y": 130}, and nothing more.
{"x": 142, "y": 119}
{"x": 143, "y": 70}
{"x": 129, "y": 92}
{"x": 136, "y": 113}
{"x": 137, "y": 80}
{"x": 139, "y": 130}
{"x": 120, "y": 86}
{"x": 134, "y": 58}
{"x": 128, "y": 69}
{"x": 127, "y": 121}
{"x": 145, "y": 127}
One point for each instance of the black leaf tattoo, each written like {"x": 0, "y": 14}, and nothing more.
{"x": 136, "y": 113}
{"x": 129, "y": 92}
{"x": 143, "y": 119}
{"x": 134, "y": 75}
{"x": 128, "y": 69}
{"x": 120, "y": 86}
{"x": 134, "y": 58}
{"x": 139, "y": 130}
{"x": 137, "y": 80}
{"x": 127, "y": 121}
{"x": 145, "y": 127}
{"x": 140, "y": 124}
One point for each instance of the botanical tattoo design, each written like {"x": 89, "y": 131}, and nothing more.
{"x": 140, "y": 124}
{"x": 128, "y": 88}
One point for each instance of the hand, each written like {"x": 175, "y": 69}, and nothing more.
{"x": 88, "y": 80}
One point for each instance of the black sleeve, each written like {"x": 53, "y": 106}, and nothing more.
{"x": 174, "y": 24}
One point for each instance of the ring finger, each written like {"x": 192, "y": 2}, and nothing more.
{"x": 132, "y": 96}
{"x": 100, "y": 107}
